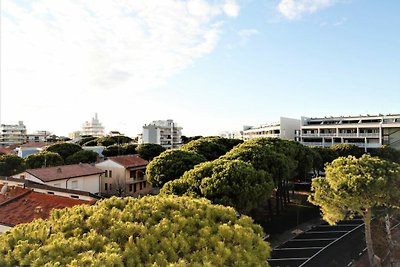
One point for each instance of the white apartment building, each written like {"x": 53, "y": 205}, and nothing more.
{"x": 38, "y": 136}
{"x": 163, "y": 132}
{"x": 364, "y": 131}
{"x": 285, "y": 128}
{"x": 232, "y": 135}
{"x": 93, "y": 128}
{"x": 11, "y": 134}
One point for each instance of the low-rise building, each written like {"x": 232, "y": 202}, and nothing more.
{"x": 368, "y": 131}
{"x": 163, "y": 132}
{"x": 11, "y": 134}
{"x": 84, "y": 177}
{"x": 27, "y": 149}
{"x": 285, "y": 128}
{"x": 124, "y": 175}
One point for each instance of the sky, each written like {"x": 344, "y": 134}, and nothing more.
{"x": 211, "y": 66}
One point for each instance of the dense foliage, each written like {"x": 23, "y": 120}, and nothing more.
{"x": 151, "y": 231}
{"x": 11, "y": 164}
{"x": 43, "y": 159}
{"x": 117, "y": 150}
{"x": 149, "y": 151}
{"x": 113, "y": 140}
{"x": 113, "y": 150}
{"x": 64, "y": 149}
{"x": 386, "y": 152}
{"x": 87, "y": 139}
{"x": 170, "y": 165}
{"x": 354, "y": 186}
{"x": 82, "y": 156}
{"x": 344, "y": 150}
{"x": 211, "y": 147}
{"x": 263, "y": 156}
{"x": 229, "y": 182}
{"x": 186, "y": 139}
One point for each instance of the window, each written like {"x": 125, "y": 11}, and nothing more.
{"x": 140, "y": 186}
{"x": 130, "y": 187}
{"x": 74, "y": 184}
{"x": 110, "y": 173}
{"x": 132, "y": 174}
{"x": 144, "y": 184}
{"x": 105, "y": 186}
{"x": 110, "y": 187}
{"x": 50, "y": 193}
{"x": 73, "y": 196}
{"x": 134, "y": 188}
{"x": 106, "y": 173}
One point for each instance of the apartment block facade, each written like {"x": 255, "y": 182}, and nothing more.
{"x": 369, "y": 131}
{"x": 11, "y": 134}
{"x": 166, "y": 133}
{"x": 93, "y": 128}
{"x": 285, "y": 128}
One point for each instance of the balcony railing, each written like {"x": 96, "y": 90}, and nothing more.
{"x": 328, "y": 144}
{"x": 369, "y": 135}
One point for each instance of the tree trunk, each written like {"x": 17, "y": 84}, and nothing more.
{"x": 389, "y": 238}
{"x": 284, "y": 199}
{"x": 281, "y": 195}
{"x": 287, "y": 191}
{"x": 278, "y": 198}
{"x": 270, "y": 212}
{"x": 368, "y": 238}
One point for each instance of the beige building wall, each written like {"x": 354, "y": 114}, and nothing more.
{"x": 117, "y": 180}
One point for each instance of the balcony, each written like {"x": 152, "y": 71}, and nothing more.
{"x": 328, "y": 144}
{"x": 309, "y": 134}
{"x": 375, "y": 135}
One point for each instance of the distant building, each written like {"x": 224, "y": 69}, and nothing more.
{"x": 163, "y": 132}
{"x": 39, "y": 136}
{"x": 285, "y": 128}
{"x": 364, "y": 131}
{"x": 92, "y": 128}
{"x": 76, "y": 135}
{"x": 11, "y": 134}
{"x": 232, "y": 135}
{"x": 124, "y": 176}
{"x": 114, "y": 133}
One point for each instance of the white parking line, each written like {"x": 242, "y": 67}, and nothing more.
{"x": 298, "y": 248}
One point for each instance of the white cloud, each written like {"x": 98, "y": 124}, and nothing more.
{"x": 294, "y": 9}
{"x": 87, "y": 48}
{"x": 231, "y": 8}
{"x": 340, "y": 22}
{"x": 245, "y": 35}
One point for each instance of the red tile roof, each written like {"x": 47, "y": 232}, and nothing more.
{"x": 7, "y": 150}
{"x": 64, "y": 172}
{"x": 35, "y": 144}
{"x": 129, "y": 161}
{"x": 23, "y": 205}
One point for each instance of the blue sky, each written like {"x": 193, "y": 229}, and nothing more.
{"x": 211, "y": 66}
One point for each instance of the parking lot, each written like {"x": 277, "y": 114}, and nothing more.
{"x": 321, "y": 245}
